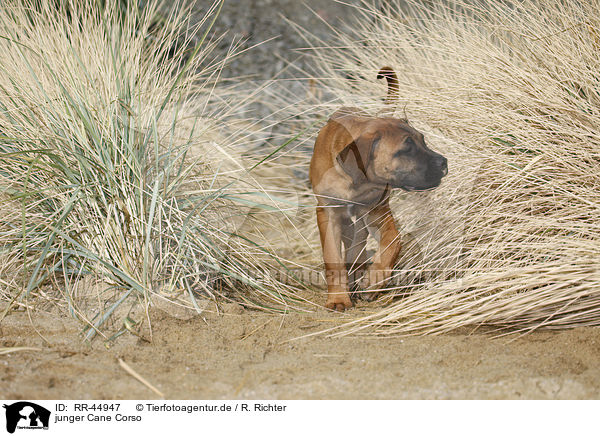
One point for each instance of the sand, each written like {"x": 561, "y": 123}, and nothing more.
{"x": 242, "y": 354}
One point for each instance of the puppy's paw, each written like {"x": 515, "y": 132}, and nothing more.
{"x": 371, "y": 284}
{"x": 364, "y": 293}
{"x": 367, "y": 295}
{"x": 338, "y": 302}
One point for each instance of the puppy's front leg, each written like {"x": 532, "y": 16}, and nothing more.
{"x": 355, "y": 237}
{"x": 389, "y": 247}
{"x": 329, "y": 220}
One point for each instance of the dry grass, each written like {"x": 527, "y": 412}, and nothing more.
{"x": 127, "y": 169}
{"x": 511, "y": 95}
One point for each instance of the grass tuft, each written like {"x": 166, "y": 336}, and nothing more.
{"x": 123, "y": 172}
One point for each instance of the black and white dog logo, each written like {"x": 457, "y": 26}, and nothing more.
{"x": 26, "y": 415}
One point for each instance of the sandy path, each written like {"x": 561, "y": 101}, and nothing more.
{"x": 244, "y": 355}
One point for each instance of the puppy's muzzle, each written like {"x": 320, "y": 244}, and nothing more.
{"x": 442, "y": 164}
{"x": 437, "y": 168}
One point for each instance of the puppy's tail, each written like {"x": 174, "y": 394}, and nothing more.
{"x": 392, "y": 81}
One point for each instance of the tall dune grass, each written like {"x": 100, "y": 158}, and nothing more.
{"x": 122, "y": 173}
{"x": 510, "y": 93}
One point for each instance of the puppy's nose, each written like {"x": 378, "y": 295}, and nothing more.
{"x": 442, "y": 163}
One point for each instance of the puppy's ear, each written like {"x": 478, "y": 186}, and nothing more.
{"x": 356, "y": 157}
{"x": 352, "y": 146}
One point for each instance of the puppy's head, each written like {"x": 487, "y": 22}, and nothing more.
{"x": 388, "y": 151}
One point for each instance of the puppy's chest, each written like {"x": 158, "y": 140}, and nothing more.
{"x": 368, "y": 194}
{"x": 336, "y": 189}
{"x": 356, "y": 198}
{"x": 355, "y": 212}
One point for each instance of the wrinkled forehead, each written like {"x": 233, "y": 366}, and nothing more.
{"x": 392, "y": 129}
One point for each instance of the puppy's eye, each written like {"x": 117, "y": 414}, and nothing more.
{"x": 409, "y": 144}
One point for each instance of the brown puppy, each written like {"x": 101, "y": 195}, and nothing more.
{"x": 357, "y": 160}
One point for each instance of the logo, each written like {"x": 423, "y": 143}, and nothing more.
{"x": 26, "y": 415}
